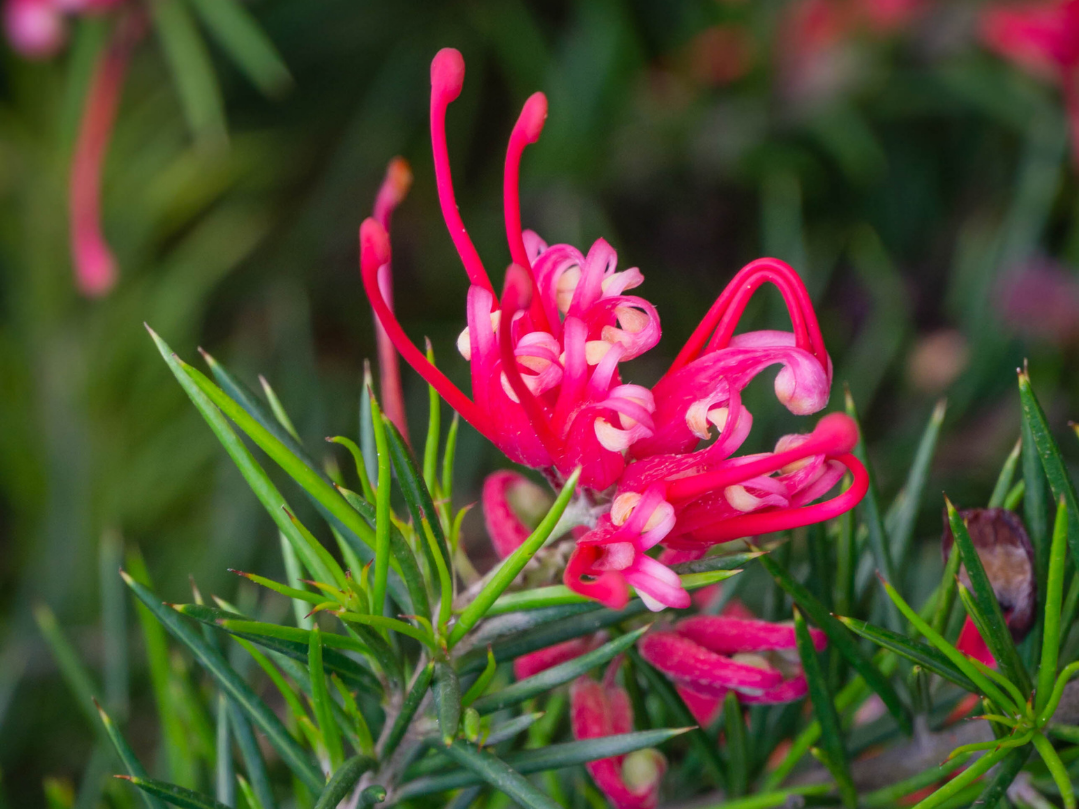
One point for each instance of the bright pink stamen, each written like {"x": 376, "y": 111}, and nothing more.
{"x": 541, "y": 423}
{"x": 447, "y": 78}
{"x": 835, "y": 434}
{"x": 374, "y": 253}
{"x": 392, "y": 191}
{"x": 766, "y": 522}
{"x": 95, "y": 266}
{"x": 718, "y": 325}
{"x": 527, "y": 130}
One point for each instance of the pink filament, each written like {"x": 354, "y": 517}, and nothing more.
{"x": 447, "y": 78}
{"x": 834, "y": 434}
{"x": 766, "y": 522}
{"x": 95, "y": 266}
{"x": 527, "y": 130}
{"x": 723, "y": 316}
{"x": 392, "y": 191}
{"x": 532, "y": 407}
{"x": 375, "y": 252}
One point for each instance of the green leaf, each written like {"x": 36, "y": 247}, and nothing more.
{"x": 75, "y": 675}
{"x": 231, "y": 682}
{"x": 402, "y": 553}
{"x": 840, "y": 639}
{"x": 240, "y": 35}
{"x": 343, "y": 780}
{"x": 447, "y": 692}
{"x": 734, "y": 724}
{"x": 551, "y": 757}
{"x": 499, "y": 775}
{"x": 449, "y": 455}
{"x": 127, "y": 756}
{"x": 417, "y": 497}
{"x": 824, "y": 710}
{"x": 704, "y": 746}
{"x": 1061, "y": 777}
{"x": 293, "y": 641}
{"x": 1049, "y": 453}
{"x": 1006, "y": 476}
{"x": 408, "y": 710}
{"x": 177, "y": 744}
{"x": 514, "y": 563}
{"x": 382, "y": 510}
{"x": 997, "y": 635}
{"x": 539, "y": 629}
{"x": 909, "y": 501}
{"x": 888, "y": 796}
{"x": 191, "y": 69}
{"x": 920, "y": 653}
{"x": 768, "y": 800}
{"x": 1002, "y": 779}
{"x": 964, "y": 779}
{"x": 305, "y": 476}
{"x": 434, "y": 428}
{"x": 870, "y": 511}
{"x": 177, "y": 796}
{"x": 224, "y": 771}
{"x": 959, "y": 660}
{"x": 253, "y": 760}
{"x": 314, "y": 558}
{"x": 558, "y": 594}
{"x": 1054, "y": 596}
{"x": 320, "y": 700}
{"x": 475, "y": 691}
{"x": 557, "y": 675}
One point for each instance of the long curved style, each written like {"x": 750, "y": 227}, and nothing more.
{"x": 545, "y": 358}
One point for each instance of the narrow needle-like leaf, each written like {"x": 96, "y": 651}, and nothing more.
{"x": 1054, "y": 595}
{"x": 514, "y": 564}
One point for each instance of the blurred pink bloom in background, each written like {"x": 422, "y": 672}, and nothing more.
{"x": 603, "y": 709}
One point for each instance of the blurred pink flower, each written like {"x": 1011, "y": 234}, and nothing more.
{"x": 1040, "y": 300}
{"x": 706, "y": 656}
{"x": 394, "y": 188}
{"x": 604, "y": 709}
{"x": 95, "y": 266}
{"x": 35, "y": 28}
{"x": 1042, "y": 37}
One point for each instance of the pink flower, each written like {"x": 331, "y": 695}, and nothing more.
{"x": 35, "y": 28}
{"x": 393, "y": 190}
{"x": 690, "y": 500}
{"x": 706, "y": 656}
{"x": 95, "y": 267}
{"x": 604, "y": 709}
{"x": 1042, "y": 37}
{"x": 545, "y": 354}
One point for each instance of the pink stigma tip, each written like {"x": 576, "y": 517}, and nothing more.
{"x": 374, "y": 245}
{"x": 448, "y": 73}
{"x": 399, "y": 178}
{"x": 533, "y": 116}
{"x": 841, "y": 430}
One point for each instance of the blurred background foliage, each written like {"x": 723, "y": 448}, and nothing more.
{"x": 921, "y": 185}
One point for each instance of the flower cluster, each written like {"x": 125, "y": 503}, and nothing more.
{"x": 546, "y": 356}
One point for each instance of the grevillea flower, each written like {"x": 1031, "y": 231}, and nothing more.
{"x": 706, "y": 656}
{"x": 545, "y": 354}
{"x": 692, "y": 499}
{"x": 1042, "y": 37}
{"x": 603, "y": 709}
